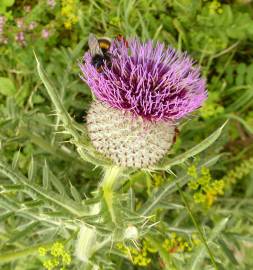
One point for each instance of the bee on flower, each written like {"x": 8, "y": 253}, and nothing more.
{"x": 140, "y": 98}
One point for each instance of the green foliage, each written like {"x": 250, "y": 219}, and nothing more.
{"x": 7, "y": 87}
{"x": 51, "y": 195}
{"x": 4, "y": 5}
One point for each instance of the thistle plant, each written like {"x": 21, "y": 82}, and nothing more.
{"x": 139, "y": 102}
{"x": 131, "y": 125}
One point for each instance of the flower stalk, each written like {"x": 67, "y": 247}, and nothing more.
{"x": 111, "y": 175}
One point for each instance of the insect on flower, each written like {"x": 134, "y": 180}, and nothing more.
{"x": 140, "y": 98}
{"x": 99, "y": 50}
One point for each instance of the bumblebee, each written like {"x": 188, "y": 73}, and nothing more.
{"x": 99, "y": 49}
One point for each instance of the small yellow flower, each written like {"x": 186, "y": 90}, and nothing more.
{"x": 66, "y": 259}
{"x": 192, "y": 171}
{"x": 238, "y": 172}
{"x": 57, "y": 249}
{"x": 157, "y": 180}
{"x": 58, "y": 256}
{"x": 205, "y": 171}
{"x": 199, "y": 197}
{"x": 210, "y": 198}
{"x": 177, "y": 244}
{"x": 48, "y": 264}
{"x": 69, "y": 12}
{"x": 215, "y": 7}
{"x": 42, "y": 251}
{"x": 206, "y": 189}
{"x": 138, "y": 256}
{"x": 67, "y": 25}
{"x": 55, "y": 262}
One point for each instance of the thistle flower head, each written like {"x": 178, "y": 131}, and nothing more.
{"x": 149, "y": 80}
{"x": 140, "y": 95}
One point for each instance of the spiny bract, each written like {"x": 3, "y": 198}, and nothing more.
{"x": 128, "y": 141}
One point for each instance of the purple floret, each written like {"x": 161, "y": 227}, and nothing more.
{"x": 151, "y": 81}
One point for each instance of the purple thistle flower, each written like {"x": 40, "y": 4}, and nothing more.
{"x": 147, "y": 79}
{"x": 140, "y": 95}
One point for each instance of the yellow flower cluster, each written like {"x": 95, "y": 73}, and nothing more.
{"x": 215, "y": 7}
{"x": 239, "y": 172}
{"x": 206, "y": 189}
{"x": 59, "y": 256}
{"x": 157, "y": 180}
{"x": 211, "y": 109}
{"x": 176, "y": 244}
{"x": 138, "y": 256}
{"x": 69, "y": 11}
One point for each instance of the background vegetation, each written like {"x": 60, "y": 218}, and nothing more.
{"x": 46, "y": 188}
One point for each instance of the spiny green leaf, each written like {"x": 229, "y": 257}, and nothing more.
{"x": 86, "y": 151}
{"x": 67, "y": 204}
{"x": 193, "y": 151}
{"x": 18, "y": 234}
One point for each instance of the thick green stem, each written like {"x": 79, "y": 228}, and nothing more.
{"x": 111, "y": 175}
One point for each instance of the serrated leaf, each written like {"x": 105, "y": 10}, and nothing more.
{"x": 18, "y": 234}
{"x": 86, "y": 152}
{"x": 65, "y": 203}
